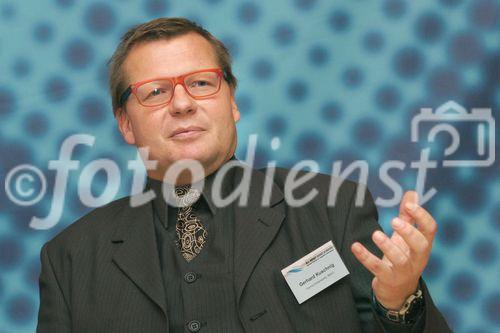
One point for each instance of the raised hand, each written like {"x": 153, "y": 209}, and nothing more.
{"x": 406, "y": 253}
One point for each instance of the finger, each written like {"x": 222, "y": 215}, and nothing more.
{"x": 416, "y": 241}
{"x": 400, "y": 242}
{"x": 392, "y": 252}
{"x": 375, "y": 265}
{"x": 410, "y": 197}
{"x": 424, "y": 221}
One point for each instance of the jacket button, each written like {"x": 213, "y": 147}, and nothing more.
{"x": 190, "y": 277}
{"x": 194, "y": 326}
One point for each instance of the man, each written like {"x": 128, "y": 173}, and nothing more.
{"x": 217, "y": 268}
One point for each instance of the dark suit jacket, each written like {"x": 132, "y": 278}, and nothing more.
{"x": 102, "y": 273}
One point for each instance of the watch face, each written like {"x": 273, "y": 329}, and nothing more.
{"x": 393, "y": 316}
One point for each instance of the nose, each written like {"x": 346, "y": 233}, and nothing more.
{"x": 181, "y": 102}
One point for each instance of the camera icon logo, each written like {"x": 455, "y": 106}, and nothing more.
{"x": 472, "y": 134}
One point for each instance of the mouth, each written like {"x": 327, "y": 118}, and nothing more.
{"x": 186, "y": 132}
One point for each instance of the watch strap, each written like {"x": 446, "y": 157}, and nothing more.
{"x": 408, "y": 313}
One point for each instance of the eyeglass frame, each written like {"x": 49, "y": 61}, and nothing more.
{"x": 132, "y": 88}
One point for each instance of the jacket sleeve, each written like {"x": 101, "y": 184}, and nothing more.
{"x": 362, "y": 221}
{"x": 54, "y": 313}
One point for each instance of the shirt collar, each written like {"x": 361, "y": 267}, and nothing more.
{"x": 160, "y": 206}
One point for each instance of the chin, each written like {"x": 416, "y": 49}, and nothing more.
{"x": 193, "y": 154}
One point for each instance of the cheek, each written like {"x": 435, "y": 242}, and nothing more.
{"x": 223, "y": 112}
{"x": 227, "y": 130}
{"x": 224, "y": 123}
{"x": 147, "y": 129}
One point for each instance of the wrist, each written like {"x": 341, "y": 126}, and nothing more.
{"x": 391, "y": 305}
{"x": 406, "y": 314}
{"x": 395, "y": 299}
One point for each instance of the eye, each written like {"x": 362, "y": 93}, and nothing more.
{"x": 200, "y": 83}
{"x": 155, "y": 92}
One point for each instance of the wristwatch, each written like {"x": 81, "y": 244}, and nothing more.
{"x": 409, "y": 312}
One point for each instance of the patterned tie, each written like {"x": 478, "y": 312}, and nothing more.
{"x": 190, "y": 232}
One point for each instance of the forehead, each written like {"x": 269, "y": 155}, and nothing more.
{"x": 169, "y": 57}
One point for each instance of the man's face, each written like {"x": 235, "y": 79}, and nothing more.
{"x": 214, "y": 139}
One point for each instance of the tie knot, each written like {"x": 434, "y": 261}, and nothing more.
{"x": 185, "y": 195}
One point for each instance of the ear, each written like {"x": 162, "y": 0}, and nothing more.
{"x": 234, "y": 109}
{"x": 125, "y": 126}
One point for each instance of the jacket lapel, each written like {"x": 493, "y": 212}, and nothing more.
{"x": 137, "y": 255}
{"x": 255, "y": 228}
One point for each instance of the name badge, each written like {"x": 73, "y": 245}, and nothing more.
{"x": 314, "y": 272}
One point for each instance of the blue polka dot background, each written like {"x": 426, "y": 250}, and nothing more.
{"x": 334, "y": 80}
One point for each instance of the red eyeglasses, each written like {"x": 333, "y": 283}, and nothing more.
{"x": 159, "y": 91}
